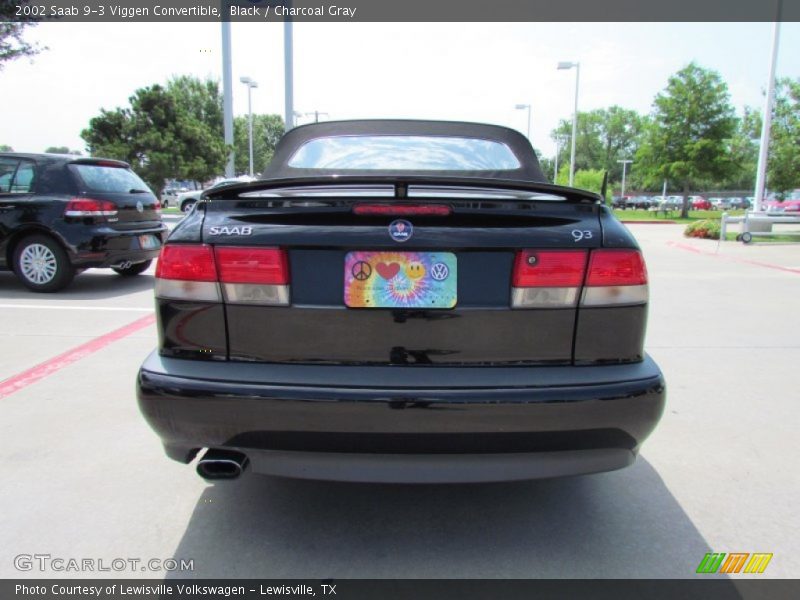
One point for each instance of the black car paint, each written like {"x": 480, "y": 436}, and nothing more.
{"x": 318, "y": 390}
{"x": 88, "y": 244}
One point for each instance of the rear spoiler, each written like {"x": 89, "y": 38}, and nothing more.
{"x": 102, "y": 162}
{"x": 401, "y": 184}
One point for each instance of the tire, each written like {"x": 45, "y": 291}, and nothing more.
{"x": 747, "y": 237}
{"x": 42, "y": 265}
{"x": 134, "y": 269}
{"x": 187, "y": 205}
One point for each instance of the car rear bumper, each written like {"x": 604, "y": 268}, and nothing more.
{"x": 405, "y": 424}
{"x": 104, "y": 246}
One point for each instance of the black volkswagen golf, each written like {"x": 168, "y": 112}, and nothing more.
{"x": 62, "y": 214}
{"x": 401, "y": 301}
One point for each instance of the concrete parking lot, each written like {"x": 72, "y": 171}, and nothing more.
{"x": 84, "y": 477}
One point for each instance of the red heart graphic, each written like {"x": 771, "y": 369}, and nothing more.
{"x": 387, "y": 271}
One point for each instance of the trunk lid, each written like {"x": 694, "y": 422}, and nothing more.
{"x": 481, "y": 236}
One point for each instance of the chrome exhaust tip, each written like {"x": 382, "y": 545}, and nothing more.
{"x": 221, "y": 464}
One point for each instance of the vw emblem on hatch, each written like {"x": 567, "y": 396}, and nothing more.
{"x": 140, "y": 206}
{"x": 401, "y": 230}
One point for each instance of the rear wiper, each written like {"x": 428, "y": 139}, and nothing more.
{"x": 135, "y": 191}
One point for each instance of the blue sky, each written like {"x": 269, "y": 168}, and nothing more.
{"x": 458, "y": 71}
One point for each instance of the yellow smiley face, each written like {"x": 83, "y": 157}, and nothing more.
{"x": 415, "y": 270}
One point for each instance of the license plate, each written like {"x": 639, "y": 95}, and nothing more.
{"x": 400, "y": 280}
{"x": 149, "y": 242}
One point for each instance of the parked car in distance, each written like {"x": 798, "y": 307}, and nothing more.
{"x": 721, "y": 203}
{"x": 640, "y": 202}
{"x": 61, "y": 214}
{"x": 186, "y": 200}
{"x": 700, "y": 203}
{"x": 401, "y": 301}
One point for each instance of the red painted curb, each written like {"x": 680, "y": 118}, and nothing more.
{"x": 22, "y": 380}
{"x": 650, "y": 222}
{"x": 744, "y": 261}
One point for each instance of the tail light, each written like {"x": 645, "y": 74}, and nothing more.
{"x": 100, "y": 210}
{"x": 547, "y": 278}
{"x": 254, "y": 275}
{"x": 239, "y": 275}
{"x": 554, "y": 278}
{"x": 615, "y": 276}
{"x": 402, "y": 210}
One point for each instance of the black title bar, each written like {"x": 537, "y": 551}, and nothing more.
{"x": 360, "y": 11}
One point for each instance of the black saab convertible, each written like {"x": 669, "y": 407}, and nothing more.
{"x": 401, "y": 301}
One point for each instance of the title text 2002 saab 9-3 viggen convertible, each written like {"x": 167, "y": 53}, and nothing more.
{"x": 401, "y": 301}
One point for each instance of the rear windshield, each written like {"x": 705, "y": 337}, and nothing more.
{"x": 114, "y": 180}
{"x": 404, "y": 152}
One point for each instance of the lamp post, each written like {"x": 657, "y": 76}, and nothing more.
{"x": 523, "y": 107}
{"x": 565, "y": 65}
{"x": 559, "y": 140}
{"x": 625, "y": 164}
{"x": 316, "y": 114}
{"x": 250, "y": 85}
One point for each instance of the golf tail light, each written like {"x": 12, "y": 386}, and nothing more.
{"x": 100, "y": 210}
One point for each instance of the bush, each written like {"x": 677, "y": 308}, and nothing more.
{"x": 707, "y": 228}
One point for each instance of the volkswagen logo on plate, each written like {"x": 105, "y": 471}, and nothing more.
{"x": 140, "y": 206}
{"x": 401, "y": 230}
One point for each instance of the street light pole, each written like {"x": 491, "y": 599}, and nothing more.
{"x": 569, "y": 65}
{"x": 250, "y": 85}
{"x": 625, "y": 163}
{"x": 227, "y": 96}
{"x": 769, "y": 104}
{"x": 522, "y": 107}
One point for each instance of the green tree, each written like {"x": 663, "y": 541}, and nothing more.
{"x": 585, "y": 179}
{"x": 604, "y": 137}
{"x": 267, "y": 130}
{"x": 744, "y": 152}
{"x": 688, "y": 139}
{"x": 172, "y": 131}
{"x": 6, "y": 148}
{"x": 12, "y": 44}
{"x": 784, "y": 152}
{"x": 61, "y": 150}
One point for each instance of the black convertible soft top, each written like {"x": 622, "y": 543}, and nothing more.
{"x": 528, "y": 169}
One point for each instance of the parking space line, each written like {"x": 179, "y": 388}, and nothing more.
{"x": 84, "y": 307}
{"x": 24, "y": 379}
{"x": 745, "y": 261}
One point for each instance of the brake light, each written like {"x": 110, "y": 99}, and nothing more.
{"x": 615, "y": 277}
{"x": 615, "y": 268}
{"x": 195, "y": 272}
{"x": 554, "y": 278}
{"x": 252, "y": 265}
{"x": 186, "y": 262}
{"x": 402, "y": 210}
{"x": 89, "y": 207}
{"x": 547, "y": 278}
{"x": 549, "y": 268}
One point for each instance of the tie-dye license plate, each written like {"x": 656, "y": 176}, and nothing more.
{"x": 400, "y": 280}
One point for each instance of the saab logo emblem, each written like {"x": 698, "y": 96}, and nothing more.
{"x": 231, "y": 231}
{"x": 715, "y": 562}
{"x": 401, "y": 230}
{"x": 140, "y": 206}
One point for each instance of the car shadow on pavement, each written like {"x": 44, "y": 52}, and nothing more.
{"x": 622, "y": 524}
{"x": 95, "y": 284}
